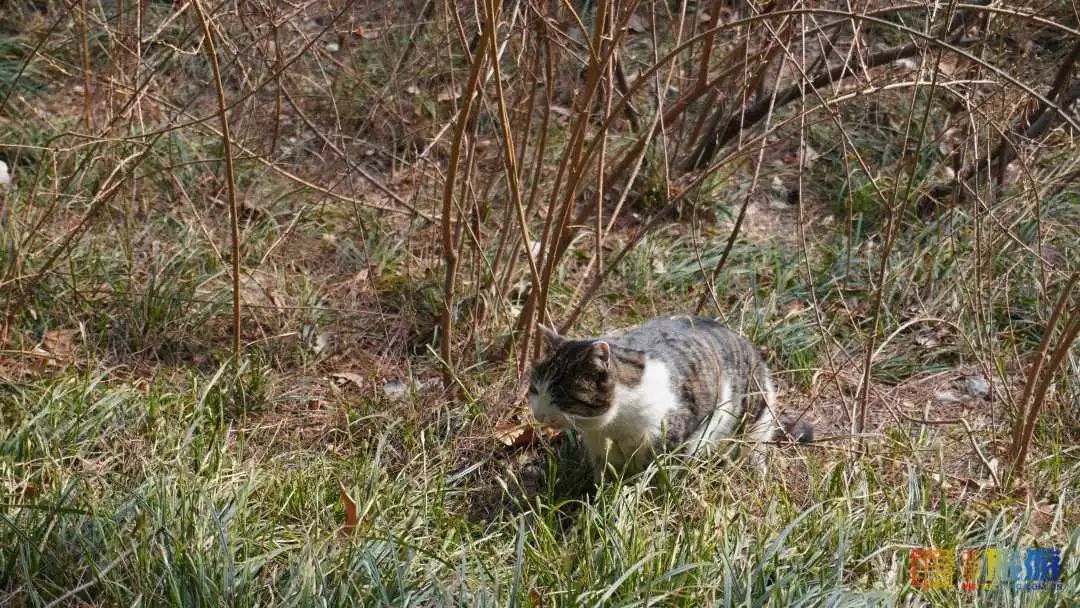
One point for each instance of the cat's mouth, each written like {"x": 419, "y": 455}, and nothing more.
{"x": 560, "y": 421}
{"x": 580, "y": 421}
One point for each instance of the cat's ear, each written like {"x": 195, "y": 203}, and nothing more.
{"x": 601, "y": 352}
{"x": 552, "y": 339}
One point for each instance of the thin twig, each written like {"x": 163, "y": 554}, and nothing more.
{"x": 230, "y": 173}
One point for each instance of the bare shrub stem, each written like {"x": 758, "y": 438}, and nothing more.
{"x": 230, "y": 173}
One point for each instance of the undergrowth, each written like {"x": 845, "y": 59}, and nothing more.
{"x": 895, "y": 238}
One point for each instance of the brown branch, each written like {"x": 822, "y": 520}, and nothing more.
{"x": 959, "y": 189}
{"x": 717, "y": 138}
{"x": 1038, "y": 381}
{"x": 230, "y": 173}
{"x": 450, "y": 253}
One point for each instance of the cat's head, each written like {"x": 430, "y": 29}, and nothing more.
{"x": 574, "y": 381}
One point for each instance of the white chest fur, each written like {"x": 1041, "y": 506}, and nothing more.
{"x": 626, "y": 432}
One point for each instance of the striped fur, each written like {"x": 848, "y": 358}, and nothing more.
{"x": 682, "y": 382}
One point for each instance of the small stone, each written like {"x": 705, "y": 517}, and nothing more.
{"x": 396, "y": 390}
{"x": 332, "y": 47}
{"x": 977, "y": 386}
{"x": 947, "y": 396}
{"x": 322, "y": 342}
{"x": 779, "y": 204}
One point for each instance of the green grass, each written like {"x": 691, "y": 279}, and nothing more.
{"x": 155, "y": 477}
{"x": 160, "y": 496}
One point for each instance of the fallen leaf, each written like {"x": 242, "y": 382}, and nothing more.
{"x": 515, "y": 435}
{"x": 447, "y": 95}
{"x": 60, "y": 345}
{"x": 355, "y": 378}
{"x": 793, "y": 307}
{"x": 927, "y": 340}
{"x": 858, "y": 308}
{"x": 365, "y": 33}
{"x": 351, "y": 519}
{"x": 944, "y": 483}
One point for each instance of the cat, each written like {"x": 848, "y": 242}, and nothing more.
{"x": 681, "y": 382}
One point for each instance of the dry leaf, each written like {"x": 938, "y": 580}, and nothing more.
{"x": 793, "y": 307}
{"x": 259, "y": 288}
{"x": 59, "y": 344}
{"x": 356, "y": 379}
{"x": 858, "y": 308}
{"x": 927, "y": 340}
{"x": 447, "y": 95}
{"x": 515, "y": 435}
{"x": 365, "y": 33}
{"x": 942, "y": 482}
{"x": 351, "y": 519}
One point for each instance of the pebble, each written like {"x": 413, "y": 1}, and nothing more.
{"x": 977, "y": 386}
{"x": 396, "y": 390}
{"x": 947, "y": 396}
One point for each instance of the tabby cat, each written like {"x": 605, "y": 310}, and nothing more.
{"x": 683, "y": 381}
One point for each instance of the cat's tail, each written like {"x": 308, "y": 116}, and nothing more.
{"x": 794, "y": 430}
